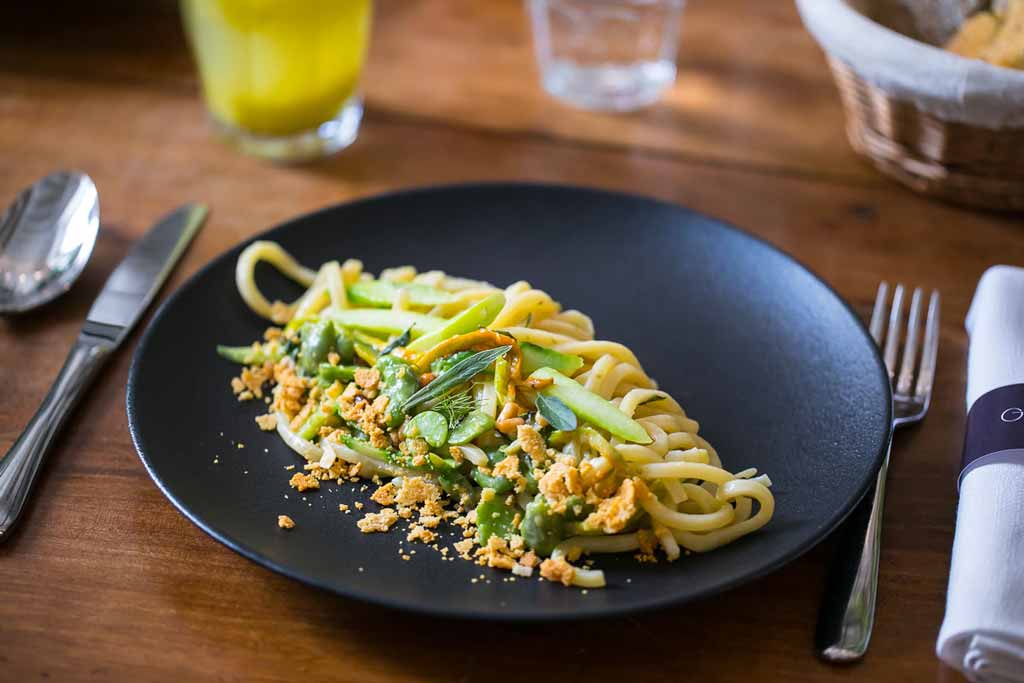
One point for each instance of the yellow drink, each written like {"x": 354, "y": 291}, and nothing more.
{"x": 279, "y": 68}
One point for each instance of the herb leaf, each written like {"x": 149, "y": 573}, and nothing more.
{"x": 401, "y": 340}
{"x": 455, "y": 406}
{"x": 461, "y": 372}
{"x": 557, "y": 413}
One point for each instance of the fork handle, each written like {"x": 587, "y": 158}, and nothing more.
{"x": 18, "y": 469}
{"x": 847, "y": 611}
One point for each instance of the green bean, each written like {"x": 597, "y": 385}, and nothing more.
{"x": 471, "y": 426}
{"x": 317, "y": 341}
{"x": 450, "y": 479}
{"x": 251, "y": 355}
{"x": 313, "y": 423}
{"x": 345, "y": 346}
{"x": 398, "y": 382}
{"x": 335, "y": 373}
{"x": 501, "y": 485}
{"x": 541, "y": 528}
{"x": 494, "y": 518}
{"x": 433, "y": 427}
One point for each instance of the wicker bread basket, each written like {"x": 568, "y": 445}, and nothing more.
{"x": 943, "y": 125}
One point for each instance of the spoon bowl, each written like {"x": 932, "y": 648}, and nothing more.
{"x": 46, "y": 237}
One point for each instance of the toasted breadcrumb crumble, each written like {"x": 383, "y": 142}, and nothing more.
{"x": 285, "y": 522}
{"x": 267, "y": 423}
{"x": 304, "y": 482}
{"x": 374, "y": 522}
{"x": 558, "y": 570}
{"x": 420, "y": 533}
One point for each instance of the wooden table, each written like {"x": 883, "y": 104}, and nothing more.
{"x": 106, "y": 581}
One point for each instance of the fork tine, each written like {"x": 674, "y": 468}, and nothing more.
{"x": 878, "y": 314}
{"x": 892, "y": 335}
{"x": 931, "y": 349}
{"x": 906, "y": 378}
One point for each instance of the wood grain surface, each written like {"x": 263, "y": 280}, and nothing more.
{"x": 106, "y": 581}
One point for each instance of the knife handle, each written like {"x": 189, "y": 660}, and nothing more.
{"x": 18, "y": 469}
{"x": 847, "y": 613}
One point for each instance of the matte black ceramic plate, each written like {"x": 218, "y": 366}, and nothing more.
{"x": 779, "y": 372}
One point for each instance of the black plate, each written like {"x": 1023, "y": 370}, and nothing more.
{"x": 780, "y": 373}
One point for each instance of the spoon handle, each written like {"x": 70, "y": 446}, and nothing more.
{"x": 19, "y": 467}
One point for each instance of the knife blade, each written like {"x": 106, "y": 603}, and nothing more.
{"x": 133, "y": 284}
{"x": 124, "y": 298}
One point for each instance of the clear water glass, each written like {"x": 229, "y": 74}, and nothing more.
{"x": 615, "y": 55}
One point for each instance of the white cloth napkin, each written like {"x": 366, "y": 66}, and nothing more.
{"x": 983, "y": 630}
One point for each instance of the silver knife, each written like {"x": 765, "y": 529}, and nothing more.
{"x": 125, "y": 297}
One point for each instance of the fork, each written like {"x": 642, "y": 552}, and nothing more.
{"x": 847, "y": 611}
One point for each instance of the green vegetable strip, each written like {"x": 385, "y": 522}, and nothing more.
{"x": 536, "y": 357}
{"x": 591, "y": 407}
{"x": 386, "y": 322}
{"x": 381, "y": 294}
{"x": 313, "y": 424}
{"x": 364, "y": 448}
{"x": 335, "y": 373}
{"x": 480, "y": 314}
{"x": 501, "y": 373}
{"x": 247, "y": 355}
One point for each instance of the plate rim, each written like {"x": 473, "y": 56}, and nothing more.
{"x": 508, "y": 613}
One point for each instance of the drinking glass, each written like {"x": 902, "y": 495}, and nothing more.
{"x": 613, "y": 55}
{"x": 281, "y": 77}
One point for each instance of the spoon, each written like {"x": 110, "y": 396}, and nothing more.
{"x": 46, "y": 238}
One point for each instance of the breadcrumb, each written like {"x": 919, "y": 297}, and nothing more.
{"x": 421, "y": 533}
{"x": 385, "y": 495}
{"x": 561, "y": 482}
{"x": 496, "y": 553}
{"x": 464, "y": 547}
{"x": 417, "y": 490}
{"x": 304, "y": 482}
{"x": 285, "y": 522}
{"x": 509, "y": 469}
{"x": 613, "y": 514}
{"x": 377, "y": 521}
{"x": 532, "y": 443}
{"x": 558, "y": 570}
{"x": 367, "y": 378}
{"x": 267, "y": 423}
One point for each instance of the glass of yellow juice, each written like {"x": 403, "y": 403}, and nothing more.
{"x": 281, "y": 77}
